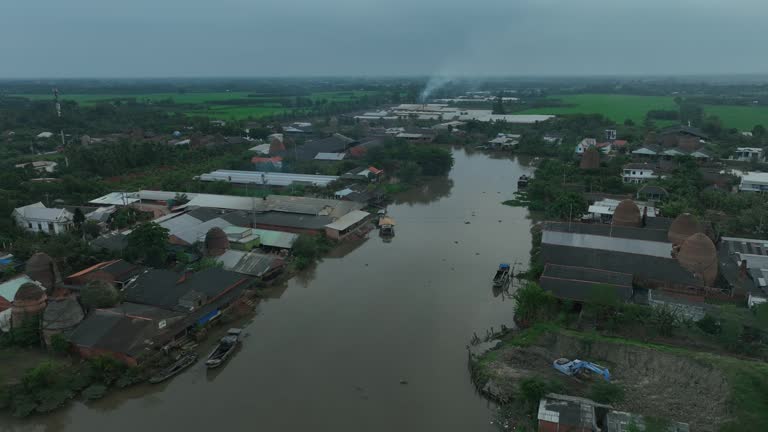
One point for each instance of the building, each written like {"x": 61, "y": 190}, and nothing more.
{"x": 267, "y": 163}
{"x": 584, "y": 145}
{"x": 744, "y": 265}
{"x": 686, "y": 137}
{"x": 119, "y": 273}
{"x": 336, "y": 143}
{"x": 747, "y": 154}
{"x": 620, "y": 421}
{"x": 263, "y": 178}
{"x": 347, "y": 224}
{"x": 754, "y": 182}
{"x": 562, "y": 413}
{"x": 9, "y": 288}
{"x": 553, "y": 138}
{"x": 604, "y": 209}
{"x": 505, "y": 141}
{"x": 367, "y": 174}
{"x": 44, "y": 135}
{"x": 639, "y": 172}
{"x": 40, "y": 166}
{"x": 38, "y": 218}
{"x": 263, "y": 266}
{"x": 601, "y": 254}
{"x": 652, "y": 193}
{"x": 241, "y": 238}
{"x": 127, "y": 332}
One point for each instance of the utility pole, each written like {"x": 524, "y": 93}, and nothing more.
{"x": 58, "y": 115}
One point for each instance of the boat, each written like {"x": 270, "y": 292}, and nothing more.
{"x": 386, "y": 226}
{"x": 522, "y": 181}
{"x": 502, "y": 275}
{"x": 184, "y": 361}
{"x": 224, "y": 349}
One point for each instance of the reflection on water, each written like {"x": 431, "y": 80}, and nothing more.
{"x": 328, "y": 349}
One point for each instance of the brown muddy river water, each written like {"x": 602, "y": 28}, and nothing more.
{"x": 329, "y": 351}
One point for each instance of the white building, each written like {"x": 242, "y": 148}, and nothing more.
{"x": 40, "y": 166}
{"x": 585, "y": 144}
{"x": 748, "y": 154}
{"x": 38, "y": 218}
{"x": 44, "y": 135}
{"x": 638, "y": 173}
{"x": 754, "y": 182}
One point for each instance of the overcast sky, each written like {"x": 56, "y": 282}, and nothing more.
{"x": 161, "y": 38}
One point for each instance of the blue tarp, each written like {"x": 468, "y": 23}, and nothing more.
{"x": 503, "y": 266}
{"x": 209, "y": 316}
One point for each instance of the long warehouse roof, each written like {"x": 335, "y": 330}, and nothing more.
{"x": 269, "y": 178}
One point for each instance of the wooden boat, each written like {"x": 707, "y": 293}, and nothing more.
{"x": 224, "y": 349}
{"x": 386, "y": 226}
{"x": 522, "y": 181}
{"x": 184, "y": 361}
{"x": 502, "y": 276}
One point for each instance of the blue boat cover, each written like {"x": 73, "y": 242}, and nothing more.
{"x": 503, "y": 266}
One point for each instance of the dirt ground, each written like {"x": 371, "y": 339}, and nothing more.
{"x": 655, "y": 383}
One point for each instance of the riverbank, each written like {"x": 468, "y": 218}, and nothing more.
{"x": 710, "y": 392}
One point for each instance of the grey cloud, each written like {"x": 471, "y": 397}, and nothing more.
{"x": 42, "y": 38}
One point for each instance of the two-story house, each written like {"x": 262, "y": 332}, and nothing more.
{"x": 748, "y": 154}
{"x": 639, "y": 172}
{"x": 38, "y": 218}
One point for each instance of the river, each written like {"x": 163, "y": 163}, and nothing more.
{"x": 329, "y": 350}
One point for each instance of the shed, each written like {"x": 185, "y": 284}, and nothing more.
{"x": 346, "y": 224}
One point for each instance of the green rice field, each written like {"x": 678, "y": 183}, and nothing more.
{"x": 211, "y": 104}
{"x": 621, "y": 107}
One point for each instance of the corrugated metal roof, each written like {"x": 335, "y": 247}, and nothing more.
{"x": 330, "y": 156}
{"x": 278, "y": 239}
{"x": 348, "y": 220}
{"x": 268, "y": 178}
{"x": 116, "y": 198}
{"x": 633, "y": 246}
{"x": 39, "y": 212}
{"x": 8, "y": 288}
{"x": 249, "y": 263}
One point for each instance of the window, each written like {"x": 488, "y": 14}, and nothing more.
{"x": 39, "y": 227}
{"x": 50, "y": 227}
{"x": 30, "y": 225}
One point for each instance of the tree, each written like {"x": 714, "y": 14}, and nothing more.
{"x": 568, "y": 205}
{"x": 99, "y": 294}
{"x": 148, "y": 242}
{"x": 759, "y": 131}
{"x": 78, "y": 218}
{"x": 409, "y": 172}
{"x": 605, "y": 392}
{"x": 533, "y": 303}
{"x": 629, "y": 122}
{"x": 92, "y": 229}
{"x": 691, "y": 113}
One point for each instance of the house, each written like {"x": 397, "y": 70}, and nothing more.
{"x": 347, "y": 224}
{"x": 298, "y": 128}
{"x": 40, "y": 166}
{"x": 747, "y": 154}
{"x": 639, "y": 172}
{"x": 648, "y": 150}
{"x": 269, "y": 239}
{"x": 44, "y": 135}
{"x": 652, "y": 193}
{"x": 368, "y": 174}
{"x": 451, "y": 125}
{"x": 602, "y": 210}
{"x": 119, "y": 273}
{"x": 584, "y": 145}
{"x": 41, "y": 219}
{"x": 359, "y": 151}
{"x": 330, "y": 157}
{"x": 754, "y": 182}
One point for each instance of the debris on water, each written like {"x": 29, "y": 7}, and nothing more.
{"x": 499, "y": 220}
{"x": 456, "y": 241}
{"x": 366, "y": 264}
{"x": 402, "y": 381}
{"x": 466, "y": 222}
{"x": 477, "y": 253}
